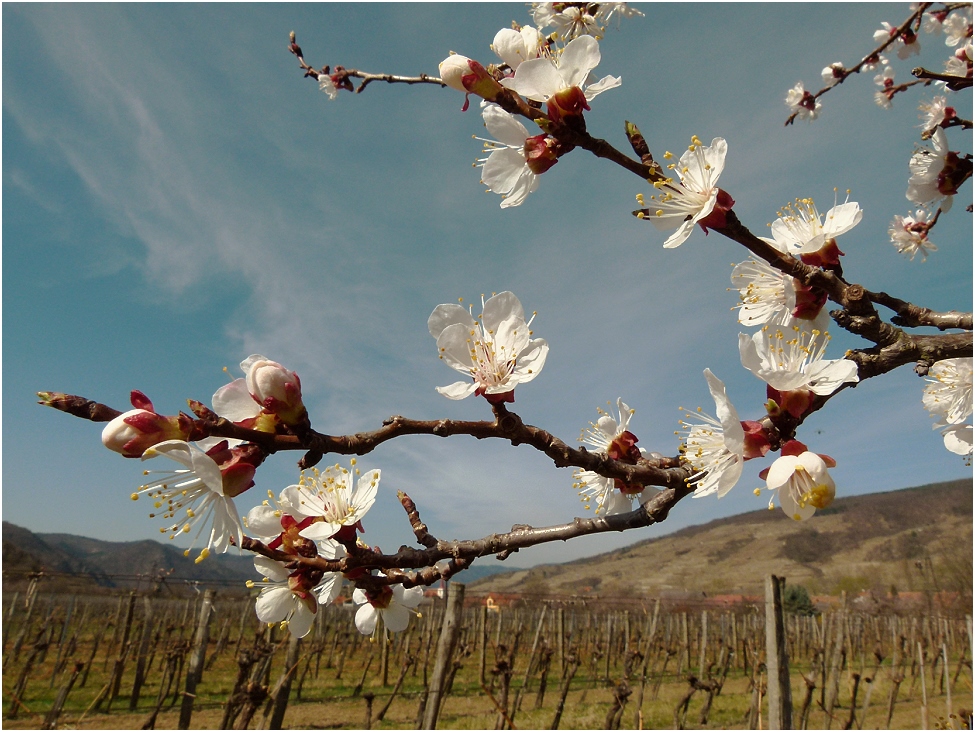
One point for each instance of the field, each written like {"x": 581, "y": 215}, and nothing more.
{"x": 627, "y": 666}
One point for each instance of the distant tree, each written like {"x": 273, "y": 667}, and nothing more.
{"x": 797, "y": 602}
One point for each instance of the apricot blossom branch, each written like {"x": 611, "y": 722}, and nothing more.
{"x": 457, "y": 554}
{"x": 841, "y": 74}
{"x": 339, "y": 77}
{"x": 953, "y": 82}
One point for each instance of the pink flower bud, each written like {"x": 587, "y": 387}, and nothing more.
{"x": 135, "y": 431}
{"x": 275, "y": 388}
{"x": 466, "y": 75}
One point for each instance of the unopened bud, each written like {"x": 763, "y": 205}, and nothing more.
{"x": 466, "y": 75}
{"x": 133, "y": 432}
{"x": 275, "y": 388}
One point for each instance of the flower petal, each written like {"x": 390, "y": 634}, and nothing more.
{"x": 365, "y": 495}
{"x": 458, "y": 390}
{"x": 579, "y": 57}
{"x": 454, "y": 347}
{"x": 607, "y": 82}
{"x": 446, "y": 315}
{"x": 301, "y": 620}
{"x": 958, "y": 439}
{"x": 840, "y": 219}
{"x": 503, "y": 170}
{"x": 365, "y": 619}
{"x": 537, "y": 78}
{"x": 734, "y": 433}
{"x": 396, "y": 618}
{"x": 504, "y": 126}
{"x": 501, "y": 307}
{"x": 263, "y": 521}
{"x": 530, "y": 361}
{"x": 526, "y": 183}
{"x": 274, "y": 604}
{"x": 234, "y": 402}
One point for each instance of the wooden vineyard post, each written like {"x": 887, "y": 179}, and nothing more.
{"x": 924, "y": 689}
{"x": 482, "y": 632}
{"x": 142, "y": 654}
{"x": 196, "y": 661}
{"x": 777, "y": 656}
{"x": 445, "y": 648}
{"x": 51, "y": 720}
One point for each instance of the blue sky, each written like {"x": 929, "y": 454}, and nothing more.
{"x": 176, "y": 196}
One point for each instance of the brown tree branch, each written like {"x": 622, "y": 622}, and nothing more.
{"x": 955, "y": 83}
{"x": 913, "y": 316}
{"x": 460, "y": 554}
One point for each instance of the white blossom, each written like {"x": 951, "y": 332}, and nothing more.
{"x": 948, "y": 393}
{"x": 394, "y": 605}
{"x": 715, "y": 447}
{"x": 198, "y": 490}
{"x": 611, "y": 436}
{"x": 495, "y": 350}
{"x": 909, "y": 235}
{"x": 768, "y": 296}
{"x": 328, "y": 496}
{"x": 681, "y": 205}
{"x": 957, "y": 27}
{"x": 927, "y": 166}
{"x": 802, "y": 103}
{"x": 801, "y": 229}
{"x": 787, "y": 362}
{"x": 293, "y": 597}
{"x": 803, "y": 484}
{"x": 542, "y": 78}
{"x": 515, "y": 160}
{"x": 832, "y": 74}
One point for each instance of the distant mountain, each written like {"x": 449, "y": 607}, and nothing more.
{"x": 909, "y": 540}
{"x": 77, "y": 562}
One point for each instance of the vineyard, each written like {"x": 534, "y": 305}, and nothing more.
{"x": 141, "y": 661}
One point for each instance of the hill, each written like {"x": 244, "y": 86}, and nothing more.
{"x": 76, "y": 563}
{"x": 910, "y": 540}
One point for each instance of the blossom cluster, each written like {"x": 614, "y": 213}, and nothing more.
{"x": 936, "y": 172}
{"x": 317, "y": 521}
{"x": 319, "y": 517}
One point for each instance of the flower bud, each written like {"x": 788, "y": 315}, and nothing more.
{"x": 135, "y": 431}
{"x": 466, "y": 75}
{"x": 275, "y": 388}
